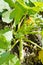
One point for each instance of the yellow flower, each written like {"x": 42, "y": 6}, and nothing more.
{"x": 41, "y": 56}
{"x": 30, "y": 21}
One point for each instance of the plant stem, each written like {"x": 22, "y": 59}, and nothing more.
{"x": 21, "y": 50}
{"x": 13, "y": 45}
{"x": 33, "y": 43}
{"x": 19, "y": 25}
{"x": 35, "y": 32}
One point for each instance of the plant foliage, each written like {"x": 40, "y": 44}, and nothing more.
{"x": 24, "y": 17}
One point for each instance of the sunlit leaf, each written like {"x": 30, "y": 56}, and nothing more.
{"x": 17, "y": 13}
{"x": 40, "y": 4}
{"x": 8, "y": 35}
{"x": 3, "y": 42}
{"x": 4, "y": 57}
{"x": 6, "y": 29}
{"x": 3, "y": 5}
{"x": 6, "y": 17}
{"x": 7, "y": 58}
{"x": 10, "y": 2}
{"x": 5, "y": 38}
{"x": 14, "y": 61}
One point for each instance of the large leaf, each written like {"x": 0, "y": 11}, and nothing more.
{"x": 40, "y": 0}
{"x": 39, "y": 4}
{"x": 8, "y": 35}
{"x": 10, "y": 2}
{"x": 3, "y": 42}
{"x": 5, "y": 38}
{"x": 29, "y": 3}
{"x": 3, "y": 5}
{"x": 9, "y": 58}
{"x": 6, "y": 29}
{"x": 14, "y": 61}
{"x": 4, "y": 57}
{"x": 17, "y": 13}
{"x": 6, "y": 17}
{"x": 36, "y": 0}
{"x": 21, "y": 9}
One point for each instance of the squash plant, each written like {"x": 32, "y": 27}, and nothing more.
{"x": 24, "y": 17}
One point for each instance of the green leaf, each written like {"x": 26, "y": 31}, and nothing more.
{"x": 31, "y": 12}
{"x": 5, "y": 38}
{"x": 36, "y": 0}
{"x": 40, "y": 0}
{"x": 10, "y": 2}
{"x": 6, "y": 29}
{"x": 39, "y": 4}
{"x": 3, "y": 5}
{"x": 42, "y": 33}
{"x": 6, "y": 17}
{"x": 9, "y": 59}
{"x": 17, "y": 13}
{"x": 5, "y": 57}
{"x": 19, "y": 35}
{"x": 8, "y": 35}
{"x": 29, "y": 3}
{"x": 21, "y": 9}
{"x": 3, "y": 42}
{"x": 14, "y": 61}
